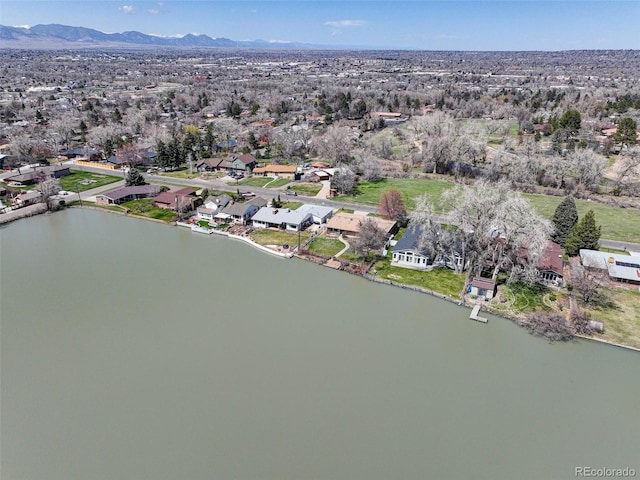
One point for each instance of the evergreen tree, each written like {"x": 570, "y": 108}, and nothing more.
{"x": 585, "y": 234}
{"x": 627, "y": 132}
{"x": 134, "y": 177}
{"x": 571, "y": 121}
{"x": 162, "y": 155}
{"x": 564, "y": 219}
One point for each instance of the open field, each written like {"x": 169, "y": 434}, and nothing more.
{"x": 369, "y": 193}
{"x": 621, "y": 224}
{"x": 182, "y": 172}
{"x": 255, "y": 181}
{"x": 310, "y": 189}
{"x": 81, "y": 181}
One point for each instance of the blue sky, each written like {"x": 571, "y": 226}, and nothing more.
{"x": 413, "y": 24}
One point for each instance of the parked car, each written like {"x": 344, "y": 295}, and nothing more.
{"x": 291, "y": 193}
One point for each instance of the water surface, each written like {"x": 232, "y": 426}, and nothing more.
{"x": 135, "y": 350}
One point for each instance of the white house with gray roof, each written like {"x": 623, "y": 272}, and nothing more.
{"x": 283, "y": 218}
{"x": 406, "y": 254}
{"x": 319, "y": 214}
{"x": 623, "y": 268}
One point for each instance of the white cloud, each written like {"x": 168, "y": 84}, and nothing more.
{"x": 128, "y": 9}
{"x": 21, "y": 26}
{"x": 153, "y": 11}
{"x": 345, "y": 23}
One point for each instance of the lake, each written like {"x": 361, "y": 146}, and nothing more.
{"x": 136, "y": 350}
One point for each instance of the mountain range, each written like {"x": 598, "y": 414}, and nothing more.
{"x": 63, "y": 36}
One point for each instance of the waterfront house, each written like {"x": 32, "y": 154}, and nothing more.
{"x": 239, "y": 212}
{"x": 622, "y": 268}
{"x": 26, "y": 198}
{"x": 282, "y": 218}
{"x": 349, "y": 224}
{"x": 406, "y": 253}
{"x": 212, "y": 206}
{"x": 33, "y": 175}
{"x": 550, "y": 265}
{"x": 183, "y": 200}
{"x": 126, "y": 194}
{"x": 319, "y": 214}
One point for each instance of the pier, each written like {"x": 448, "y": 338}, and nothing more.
{"x": 474, "y": 315}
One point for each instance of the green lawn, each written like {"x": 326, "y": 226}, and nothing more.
{"x": 621, "y": 323}
{"x": 369, "y": 193}
{"x": 326, "y": 247}
{"x": 291, "y": 205}
{"x": 267, "y": 236}
{"x": 182, "y": 172}
{"x": 520, "y": 299}
{"x": 145, "y": 208}
{"x": 279, "y": 182}
{"x": 310, "y": 189}
{"x": 81, "y": 181}
{"x": 621, "y": 224}
{"x": 255, "y": 181}
{"x": 439, "y": 280}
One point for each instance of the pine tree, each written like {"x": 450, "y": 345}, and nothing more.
{"x": 584, "y": 235}
{"x": 564, "y": 219}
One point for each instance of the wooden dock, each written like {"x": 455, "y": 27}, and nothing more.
{"x": 474, "y": 315}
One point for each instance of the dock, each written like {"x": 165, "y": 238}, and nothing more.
{"x": 474, "y": 315}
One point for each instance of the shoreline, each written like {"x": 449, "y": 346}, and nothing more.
{"x": 366, "y": 276}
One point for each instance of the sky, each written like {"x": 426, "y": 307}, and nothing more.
{"x": 392, "y": 24}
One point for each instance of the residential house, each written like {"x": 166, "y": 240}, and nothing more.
{"x": 283, "y": 171}
{"x": 318, "y": 175}
{"x": 622, "y": 268}
{"x": 551, "y": 265}
{"x": 244, "y": 163}
{"x": 282, "y": 218}
{"x": 212, "y": 206}
{"x": 319, "y": 214}
{"x": 240, "y": 212}
{"x": 126, "y": 194}
{"x": 406, "y": 253}
{"x": 349, "y": 224}
{"x": 26, "y": 198}
{"x": 183, "y": 200}
{"x": 482, "y": 287}
{"x": 31, "y": 176}
{"x": 208, "y": 165}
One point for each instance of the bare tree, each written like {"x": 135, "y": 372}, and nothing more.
{"x": 369, "y": 238}
{"x": 343, "y": 180}
{"x": 48, "y": 187}
{"x": 588, "y": 168}
{"x": 336, "y": 144}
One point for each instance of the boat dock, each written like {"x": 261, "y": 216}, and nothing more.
{"x": 474, "y": 315}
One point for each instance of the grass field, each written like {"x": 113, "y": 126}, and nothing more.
{"x": 621, "y": 224}
{"x": 145, "y": 208}
{"x": 621, "y": 323}
{"x": 267, "y": 236}
{"x": 369, "y": 193}
{"x": 182, "y": 172}
{"x": 326, "y": 247}
{"x": 439, "y": 280}
{"x": 310, "y": 189}
{"x": 255, "y": 181}
{"x": 82, "y": 181}
{"x": 521, "y": 299}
